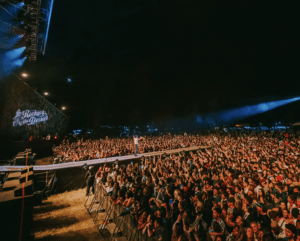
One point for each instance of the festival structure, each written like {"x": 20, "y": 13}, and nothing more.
{"x": 24, "y": 112}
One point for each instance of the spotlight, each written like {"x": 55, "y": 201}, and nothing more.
{"x": 243, "y": 112}
{"x": 20, "y": 62}
{"x": 24, "y": 75}
{"x": 19, "y": 4}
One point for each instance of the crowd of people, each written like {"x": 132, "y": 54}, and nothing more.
{"x": 246, "y": 186}
{"x": 87, "y": 150}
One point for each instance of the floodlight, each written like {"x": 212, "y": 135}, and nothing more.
{"x": 24, "y": 75}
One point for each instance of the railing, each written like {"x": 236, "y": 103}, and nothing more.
{"x": 127, "y": 225}
{"x": 102, "y": 160}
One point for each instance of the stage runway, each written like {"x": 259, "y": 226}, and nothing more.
{"x": 100, "y": 161}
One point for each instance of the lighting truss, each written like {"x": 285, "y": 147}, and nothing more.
{"x": 41, "y": 11}
{"x": 35, "y": 16}
{"x": 33, "y": 10}
{"x": 45, "y": 17}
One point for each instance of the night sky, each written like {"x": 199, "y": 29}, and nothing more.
{"x": 132, "y": 62}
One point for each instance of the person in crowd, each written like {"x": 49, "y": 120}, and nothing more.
{"x": 248, "y": 218}
{"x": 245, "y": 186}
{"x": 249, "y": 234}
{"x": 141, "y": 220}
{"x": 257, "y": 233}
{"x": 290, "y": 232}
{"x": 120, "y": 198}
{"x": 90, "y": 179}
{"x": 177, "y": 232}
{"x": 149, "y": 228}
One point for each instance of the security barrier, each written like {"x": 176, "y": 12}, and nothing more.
{"x": 120, "y": 228}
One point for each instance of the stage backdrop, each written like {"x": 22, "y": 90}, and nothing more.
{"x": 25, "y": 113}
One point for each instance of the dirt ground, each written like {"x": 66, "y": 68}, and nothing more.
{"x": 63, "y": 217}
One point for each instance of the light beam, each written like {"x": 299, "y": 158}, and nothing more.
{"x": 228, "y": 116}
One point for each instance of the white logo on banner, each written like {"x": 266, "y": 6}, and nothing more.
{"x": 29, "y": 117}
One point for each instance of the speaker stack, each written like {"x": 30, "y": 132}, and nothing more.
{"x": 16, "y": 205}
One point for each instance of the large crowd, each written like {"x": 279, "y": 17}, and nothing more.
{"x": 244, "y": 187}
{"x": 87, "y": 149}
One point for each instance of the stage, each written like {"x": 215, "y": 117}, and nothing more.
{"x": 99, "y": 161}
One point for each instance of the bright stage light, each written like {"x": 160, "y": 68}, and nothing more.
{"x": 244, "y": 112}
{"x": 10, "y": 44}
{"x": 227, "y": 116}
{"x": 19, "y": 4}
{"x": 25, "y": 75}
{"x": 11, "y": 60}
{"x": 15, "y": 53}
{"x": 20, "y": 62}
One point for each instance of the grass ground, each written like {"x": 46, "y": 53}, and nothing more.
{"x": 63, "y": 217}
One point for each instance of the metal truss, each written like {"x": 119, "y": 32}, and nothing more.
{"x": 34, "y": 10}
{"x": 36, "y": 19}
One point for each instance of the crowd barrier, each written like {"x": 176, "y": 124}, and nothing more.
{"x": 126, "y": 224}
{"x": 102, "y": 209}
{"x": 69, "y": 164}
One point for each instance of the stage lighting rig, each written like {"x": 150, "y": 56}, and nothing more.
{"x": 19, "y": 2}
{"x": 30, "y": 18}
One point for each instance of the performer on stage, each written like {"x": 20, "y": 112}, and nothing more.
{"x": 136, "y": 143}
